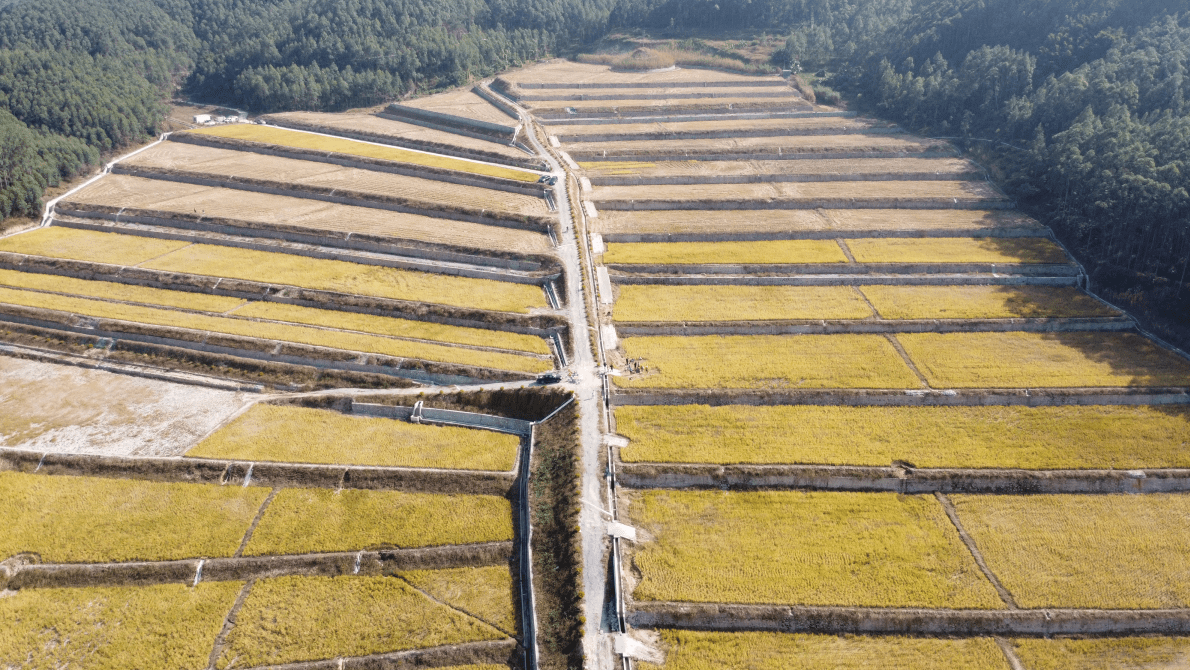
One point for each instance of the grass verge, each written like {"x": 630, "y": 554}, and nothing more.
{"x": 1101, "y": 436}
{"x": 91, "y": 519}
{"x": 308, "y": 435}
{"x": 299, "y": 140}
{"x": 659, "y": 303}
{"x": 299, "y": 521}
{"x": 984, "y": 302}
{"x": 291, "y": 619}
{"x": 113, "y": 628}
{"x": 803, "y": 548}
{"x": 957, "y": 250}
{"x": 485, "y": 593}
{"x": 1035, "y": 360}
{"x": 768, "y": 362}
{"x": 697, "y": 650}
{"x": 781, "y": 251}
{"x": 1102, "y": 551}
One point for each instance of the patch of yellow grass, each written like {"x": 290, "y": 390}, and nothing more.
{"x": 299, "y": 521}
{"x": 1067, "y": 437}
{"x": 1119, "y": 653}
{"x": 105, "y": 628}
{"x": 803, "y": 548}
{"x": 609, "y": 168}
{"x": 485, "y": 593}
{"x": 1033, "y": 360}
{"x": 94, "y": 520}
{"x": 791, "y": 252}
{"x": 957, "y": 250}
{"x": 383, "y": 325}
{"x": 114, "y": 291}
{"x": 660, "y": 303}
{"x": 276, "y": 331}
{"x": 276, "y": 268}
{"x": 300, "y": 140}
{"x": 304, "y": 435}
{"x": 983, "y": 302}
{"x": 768, "y": 361}
{"x": 698, "y": 650}
{"x": 1100, "y": 551}
{"x": 291, "y": 619}
{"x": 111, "y": 248}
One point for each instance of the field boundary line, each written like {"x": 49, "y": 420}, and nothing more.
{"x": 969, "y": 542}
{"x": 495, "y": 652}
{"x": 264, "y": 506}
{"x": 896, "y": 344}
{"x": 846, "y": 249}
{"x": 229, "y": 622}
{"x": 449, "y": 606}
{"x": 1014, "y": 662}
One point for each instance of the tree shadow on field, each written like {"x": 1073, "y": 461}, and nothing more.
{"x": 1145, "y": 362}
{"x": 1025, "y": 250}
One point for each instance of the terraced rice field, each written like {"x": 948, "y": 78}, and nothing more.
{"x": 1061, "y": 437}
{"x": 300, "y": 521}
{"x": 866, "y": 550}
{"x": 570, "y": 133}
{"x": 121, "y": 292}
{"x": 563, "y": 73}
{"x": 1127, "y": 653}
{"x": 396, "y": 130}
{"x": 1007, "y": 250}
{"x": 845, "y": 222}
{"x": 282, "y": 332}
{"x": 175, "y": 198}
{"x": 673, "y": 304}
{"x": 760, "y": 169}
{"x": 305, "y": 435}
{"x": 699, "y": 650}
{"x": 984, "y": 302}
{"x": 161, "y": 626}
{"x": 1039, "y": 360}
{"x": 776, "y": 362}
{"x": 1105, "y": 551}
{"x": 724, "y": 253}
{"x": 90, "y": 519}
{"x": 284, "y": 137}
{"x": 486, "y": 593}
{"x": 275, "y": 268}
{"x": 211, "y": 162}
{"x": 741, "y": 101}
{"x": 812, "y": 190}
{"x": 659, "y": 92}
{"x": 465, "y": 103}
{"x": 329, "y": 617}
{"x": 790, "y": 143}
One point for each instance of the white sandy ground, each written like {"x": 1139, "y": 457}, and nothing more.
{"x": 65, "y": 409}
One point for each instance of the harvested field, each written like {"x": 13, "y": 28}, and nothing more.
{"x": 1097, "y": 551}
{"x": 1062, "y": 437}
{"x": 334, "y": 339}
{"x": 802, "y": 548}
{"x": 95, "y": 247}
{"x": 746, "y": 145}
{"x": 305, "y": 435}
{"x": 212, "y": 162}
{"x": 983, "y": 302}
{"x": 284, "y": 137}
{"x": 277, "y": 268}
{"x": 162, "y": 626}
{"x": 486, "y": 593}
{"x": 280, "y": 210}
{"x": 841, "y": 168}
{"x": 462, "y": 102}
{"x": 722, "y": 253}
{"x": 659, "y": 93}
{"x": 306, "y": 520}
{"x": 1120, "y": 653}
{"x": 329, "y": 617}
{"x": 767, "y": 362}
{"x": 122, "y": 292}
{"x": 1038, "y": 360}
{"x": 91, "y": 519}
{"x": 67, "y": 409}
{"x": 698, "y": 650}
{"x": 672, "y": 304}
{"x": 392, "y": 327}
{"x": 958, "y": 250}
{"x": 772, "y": 191}
{"x": 741, "y": 101}
{"x": 560, "y": 72}
{"x": 841, "y": 221}
{"x": 794, "y": 126}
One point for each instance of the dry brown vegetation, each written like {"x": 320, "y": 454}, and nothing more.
{"x": 745, "y": 145}
{"x": 772, "y": 191}
{"x": 762, "y": 168}
{"x": 465, "y": 103}
{"x": 569, "y": 72}
{"x": 842, "y": 221}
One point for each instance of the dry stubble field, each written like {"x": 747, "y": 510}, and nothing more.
{"x": 943, "y": 167}
{"x": 845, "y": 222}
{"x": 465, "y": 103}
{"x": 810, "y": 190}
{"x": 793, "y": 252}
{"x": 790, "y": 143}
